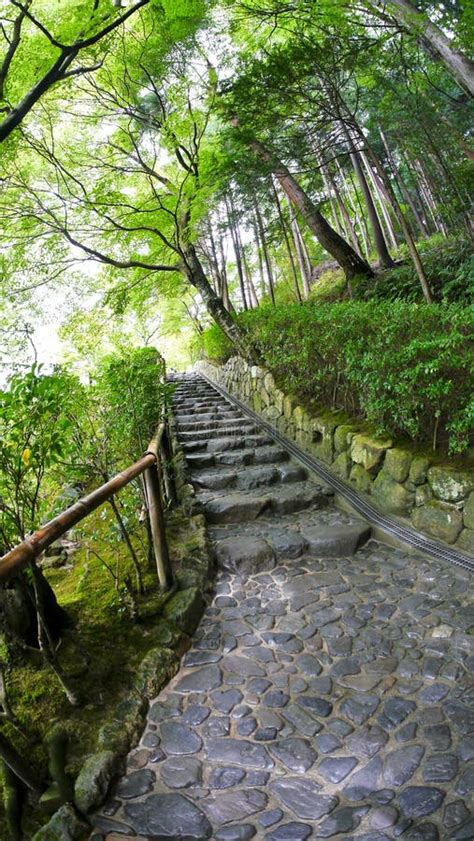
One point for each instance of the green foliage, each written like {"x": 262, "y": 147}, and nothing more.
{"x": 35, "y": 436}
{"x": 405, "y": 368}
{"x": 449, "y": 266}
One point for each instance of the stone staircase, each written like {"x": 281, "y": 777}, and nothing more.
{"x": 250, "y": 490}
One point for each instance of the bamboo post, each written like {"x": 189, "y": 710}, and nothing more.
{"x": 168, "y": 474}
{"x": 157, "y": 524}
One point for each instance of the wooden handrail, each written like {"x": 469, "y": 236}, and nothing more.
{"x": 29, "y": 549}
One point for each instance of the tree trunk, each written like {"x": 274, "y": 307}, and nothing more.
{"x": 235, "y": 244}
{"x": 382, "y": 201}
{"x": 419, "y": 25}
{"x": 196, "y": 276}
{"x": 304, "y": 271}
{"x": 266, "y": 256}
{"x": 404, "y": 192}
{"x": 348, "y": 226}
{"x": 379, "y": 239}
{"x": 385, "y": 181}
{"x": 287, "y": 240}
{"x": 330, "y": 240}
{"x": 263, "y": 285}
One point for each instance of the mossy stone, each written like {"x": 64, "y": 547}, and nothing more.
{"x": 439, "y": 520}
{"x": 342, "y": 465}
{"x": 465, "y": 541}
{"x": 391, "y": 496}
{"x": 368, "y": 452}
{"x": 469, "y": 512}
{"x": 94, "y": 779}
{"x": 65, "y": 825}
{"x": 157, "y": 668}
{"x": 398, "y": 462}
{"x": 185, "y": 609}
{"x": 289, "y": 404}
{"x": 423, "y": 494}
{"x": 449, "y": 483}
{"x": 418, "y": 470}
{"x": 343, "y": 436}
{"x": 361, "y": 478}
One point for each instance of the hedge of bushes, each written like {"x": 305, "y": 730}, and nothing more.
{"x": 405, "y": 368}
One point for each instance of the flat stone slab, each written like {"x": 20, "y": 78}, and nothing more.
{"x": 235, "y": 508}
{"x": 303, "y": 797}
{"x": 238, "y": 752}
{"x": 168, "y": 816}
{"x": 336, "y": 541}
{"x": 244, "y": 555}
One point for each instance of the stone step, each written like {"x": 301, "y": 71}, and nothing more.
{"x": 238, "y": 507}
{"x": 223, "y": 443}
{"x": 204, "y": 426}
{"x": 262, "y": 455}
{"x": 198, "y": 409}
{"x": 336, "y": 541}
{"x": 246, "y": 427}
{"x": 253, "y": 477}
{"x": 218, "y": 414}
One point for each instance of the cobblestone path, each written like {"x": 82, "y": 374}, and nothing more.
{"x": 327, "y": 692}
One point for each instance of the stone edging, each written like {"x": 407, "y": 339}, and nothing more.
{"x": 439, "y": 499}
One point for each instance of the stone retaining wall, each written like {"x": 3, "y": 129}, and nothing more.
{"x": 439, "y": 499}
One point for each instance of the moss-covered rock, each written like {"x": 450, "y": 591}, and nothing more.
{"x": 65, "y": 825}
{"x": 397, "y": 463}
{"x": 368, "y": 452}
{"x": 465, "y": 541}
{"x": 439, "y": 520}
{"x": 342, "y": 465}
{"x": 158, "y": 667}
{"x": 418, "y": 470}
{"x": 423, "y": 494}
{"x": 361, "y": 478}
{"x": 469, "y": 512}
{"x": 185, "y": 609}
{"x": 391, "y": 496}
{"x": 94, "y": 779}
{"x": 289, "y": 404}
{"x": 449, "y": 483}
{"x": 343, "y": 436}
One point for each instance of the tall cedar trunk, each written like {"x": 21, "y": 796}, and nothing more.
{"x": 305, "y": 272}
{"x": 330, "y": 240}
{"x": 248, "y": 275}
{"x": 196, "y": 276}
{"x": 328, "y": 188}
{"x": 284, "y": 231}
{"x": 458, "y": 64}
{"x": 235, "y": 244}
{"x": 429, "y": 194}
{"x": 348, "y": 226}
{"x": 404, "y": 192}
{"x": 263, "y": 285}
{"x": 379, "y": 239}
{"x": 360, "y": 215}
{"x": 388, "y": 190}
{"x": 266, "y": 256}
{"x": 415, "y": 181}
{"x": 223, "y": 272}
{"x": 382, "y": 201}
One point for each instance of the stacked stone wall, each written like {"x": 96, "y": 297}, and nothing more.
{"x": 437, "y": 498}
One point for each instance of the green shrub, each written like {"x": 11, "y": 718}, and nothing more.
{"x": 449, "y": 267}
{"x": 405, "y": 368}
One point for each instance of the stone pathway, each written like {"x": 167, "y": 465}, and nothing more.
{"x": 327, "y": 693}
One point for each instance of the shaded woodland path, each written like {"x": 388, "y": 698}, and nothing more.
{"x": 327, "y": 693}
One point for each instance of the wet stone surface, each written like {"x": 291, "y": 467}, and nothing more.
{"x": 319, "y": 698}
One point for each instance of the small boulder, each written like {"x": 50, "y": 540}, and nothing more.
{"x": 449, "y": 483}
{"x": 94, "y": 779}
{"x": 368, "y": 452}
{"x": 390, "y": 495}
{"x": 185, "y": 609}
{"x": 361, "y": 478}
{"x": 439, "y": 520}
{"x": 397, "y": 463}
{"x": 244, "y": 555}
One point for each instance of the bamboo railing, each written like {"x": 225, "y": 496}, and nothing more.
{"x": 153, "y": 464}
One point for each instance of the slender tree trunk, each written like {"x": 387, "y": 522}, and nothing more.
{"x": 295, "y": 232}
{"x": 330, "y": 240}
{"x": 430, "y": 199}
{"x": 238, "y": 259}
{"x": 388, "y": 190}
{"x": 381, "y": 198}
{"x": 329, "y": 191}
{"x": 266, "y": 256}
{"x": 419, "y": 25}
{"x": 225, "y": 284}
{"x": 129, "y": 545}
{"x": 252, "y": 294}
{"x": 404, "y": 192}
{"x": 348, "y": 226}
{"x": 379, "y": 239}
{"x": 263, "y": 285}
{"x": 287, "y": 240}
{"x": 415, "y": 180}
{"x": 194, "y": 272}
